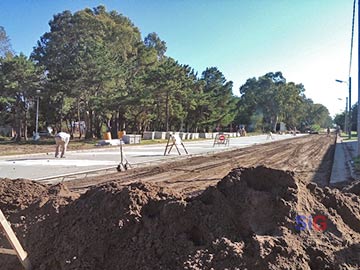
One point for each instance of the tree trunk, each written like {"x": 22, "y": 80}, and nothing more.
{"x": 88, "y": 119}
{"x": 61, "y": 114}
{"x": 78, "y": 116}
{"x": 17, "y": 120}
{"x": 25, "y": 126}
{"x": 98, "y": 125}
{"x": 275, "y": 123}
{"x": 113, "y": 126}
{"x": 167, "y": 111}
{"x": 122, "y": 124}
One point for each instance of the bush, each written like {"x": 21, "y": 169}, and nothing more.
{"x": 315, "y": 127}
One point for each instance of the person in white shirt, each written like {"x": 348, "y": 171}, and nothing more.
{"x": 62, "y": 139}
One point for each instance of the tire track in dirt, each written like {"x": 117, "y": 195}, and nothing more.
{"x": 304, "y": 155}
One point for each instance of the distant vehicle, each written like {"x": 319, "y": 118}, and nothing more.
{"x": 310, "y": 131}
{"x": 45, "y": 133}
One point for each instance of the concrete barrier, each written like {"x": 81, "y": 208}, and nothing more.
{"x": 205, "y": 135}
{"x": 160, "y": 135}
{"x": 131, "y": 139}
{"x": 149, "y": 135}
{"x": 152, "y": 135}
{"x": 194, "y": 136}
{"x": 173, "y": 133}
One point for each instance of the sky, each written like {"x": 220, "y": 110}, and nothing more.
{"x": 307, "y": 40}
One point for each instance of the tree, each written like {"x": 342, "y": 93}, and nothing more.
{"x": 152, "y": 40}
{"x": 86, "y": 56}
{"x": 168, "y": 86}
{"x": 267, "y": 96}
{"x": 273, "y": 99}
{"x": 218, "y": 106}
{"x": 339, "y": 120}
{"x": 315, "y": 113}
{"x": 5, "y": 46}
{"x": 19, "y": 80}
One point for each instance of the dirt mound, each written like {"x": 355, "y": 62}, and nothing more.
{"x": 19, "y": 193}
{"x": 249, "y": 220}
{"x": 353, "y": 188}
{"x": 27, "y": 204}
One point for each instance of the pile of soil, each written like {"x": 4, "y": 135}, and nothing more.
{"x": 19, "y": 194}
{"x": 246, "y": 221}
{"x": 353, "y": 187}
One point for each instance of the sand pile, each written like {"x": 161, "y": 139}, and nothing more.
{"x": 247, "y": 221}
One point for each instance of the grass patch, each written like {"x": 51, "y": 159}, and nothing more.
{"x": 345, "y": 136}
{"x": 356, "y": 162}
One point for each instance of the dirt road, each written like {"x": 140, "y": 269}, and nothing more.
{"x": 198, "y": 213}
{"x": 309, "y": 156}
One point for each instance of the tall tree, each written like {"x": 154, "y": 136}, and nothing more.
{"x": 219, "y": 105}
{"x": 19, "y": 80}
{"x": 86, "y": 55}
{"x": 5, "y": 45}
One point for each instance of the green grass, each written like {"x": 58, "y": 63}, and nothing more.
{"x": 356, "y": 162}
{"x": 345, "y": 136}
{"x": 45, "y": 141}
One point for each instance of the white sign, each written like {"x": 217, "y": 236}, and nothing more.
{"x": 176, "y": 139}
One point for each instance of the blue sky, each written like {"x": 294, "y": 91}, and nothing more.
{"x": 308, "y": 40}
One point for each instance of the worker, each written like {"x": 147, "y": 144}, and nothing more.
{"x": 328, "y": 131}
{"x": 62, "y": 140}
{"x": 270, "y": 135}
{"x": 243, "y": 132}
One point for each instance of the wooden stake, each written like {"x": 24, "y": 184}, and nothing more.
{"x": 14, "y": 242}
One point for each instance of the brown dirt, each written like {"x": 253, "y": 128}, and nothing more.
{"x": 310, "y": 157}
{"x": 244, "y": 221}
{"x": 353, "y": 188}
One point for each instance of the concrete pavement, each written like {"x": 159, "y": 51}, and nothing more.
{"x": 342, "y": 169}
{"x": 44, "y": 166}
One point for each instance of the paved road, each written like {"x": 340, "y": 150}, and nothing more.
{"x": 40, "y": 166}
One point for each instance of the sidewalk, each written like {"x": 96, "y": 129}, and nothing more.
{"x": 342, "y": 168}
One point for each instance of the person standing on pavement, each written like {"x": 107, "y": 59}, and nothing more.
{"x": 62, "y": 139}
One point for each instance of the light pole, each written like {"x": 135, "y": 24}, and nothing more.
{"x": 36, "y": 135}
{"x": 347, "y": 118}
{"x": 349, "y": 114}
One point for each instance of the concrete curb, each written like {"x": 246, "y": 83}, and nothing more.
{"x": 341, "y": 169}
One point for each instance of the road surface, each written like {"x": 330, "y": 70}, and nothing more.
{"x": 43, "y": 166}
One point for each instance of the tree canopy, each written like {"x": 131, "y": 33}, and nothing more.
{"x": 5, "y": 45}
{"x": 94, "y": 67}
{"x": 270, "y": 99}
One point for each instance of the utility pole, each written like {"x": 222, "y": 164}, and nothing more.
{"x": 358, "y": 114}
{"x": 349, "y": 118}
